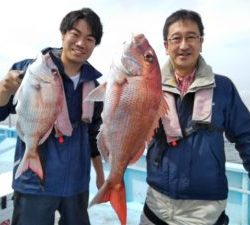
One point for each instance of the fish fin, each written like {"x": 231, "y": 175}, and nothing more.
{"x": 98, "y": 94}
{"x": 163, "y": 109}
{"x": 30, "y": 161}
{"x": 103, "y": 195}
{"x": 137, "y": 155}
{"x": 87, "y": 106}
{"x": 117, "y": 197}
{"x": 118, "y": 202}
{"x": 101, "y": 144}
{"x": 45, "y": 136}
{"x": 17, "y": 95}
{"x": 62, "y": 124}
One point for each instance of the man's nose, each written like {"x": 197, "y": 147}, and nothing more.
{"x": 183, "y": 43}
{"x": 81, "y": 42}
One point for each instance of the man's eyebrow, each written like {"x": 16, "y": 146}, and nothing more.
{"x": 77, "y": 30}
{"x": 186, "y": 33}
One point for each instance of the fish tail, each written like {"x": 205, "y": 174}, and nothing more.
{"x": 118, "y": 202}
{"x": 117, "y": 197}
{"x": 30, "y": 161}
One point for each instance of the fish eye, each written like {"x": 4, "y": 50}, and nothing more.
{"x": 37, "y": 87}
{"x": 148, "y": 58}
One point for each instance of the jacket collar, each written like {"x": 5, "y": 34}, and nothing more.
{"x": 88, "y": 72}
{"x": 204, "y": 77}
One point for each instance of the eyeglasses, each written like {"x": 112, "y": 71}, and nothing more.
{"x": 190, "y": 39}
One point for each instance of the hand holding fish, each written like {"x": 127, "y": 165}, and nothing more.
{"x": 9, "y": 85}
{"x": 12, "y": 81}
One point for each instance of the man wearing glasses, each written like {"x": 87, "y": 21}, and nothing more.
{"x": 186, "y": 159}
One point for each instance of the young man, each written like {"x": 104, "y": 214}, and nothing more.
{"x": 66, "y": 165}
{"x": 186, "y": 159}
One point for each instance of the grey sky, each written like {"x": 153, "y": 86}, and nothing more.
{"x": 28, "y": 26}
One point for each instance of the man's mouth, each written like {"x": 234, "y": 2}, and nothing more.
{"x": 184, "y": 54}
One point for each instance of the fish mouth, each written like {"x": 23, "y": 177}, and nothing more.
{"x": 143, "y": 44}
{"x": 139, "y": 40}
{"x": 130, "y": 65}
{"x": 134, "y": 53}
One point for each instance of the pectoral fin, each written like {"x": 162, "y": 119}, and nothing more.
{"x": 98, "y": 94}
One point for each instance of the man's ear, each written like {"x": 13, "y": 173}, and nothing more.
{"x": 201, "y": 39}
{"x": 62, "y": 37}
{"x": 166, "y": 47}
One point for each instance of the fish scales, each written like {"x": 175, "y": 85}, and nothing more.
{"x": 40, "y": 101}
{"x": 133, "y": 104}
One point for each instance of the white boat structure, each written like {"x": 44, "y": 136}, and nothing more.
{"x": 238, "y": 207}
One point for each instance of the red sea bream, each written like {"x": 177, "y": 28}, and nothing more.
{"x": 133, "y": 103}
{"x": 41, "y": 105}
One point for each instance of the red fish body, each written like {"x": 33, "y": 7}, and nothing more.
{"x": 40, "y": 101}
{"x": 133, "y": 103}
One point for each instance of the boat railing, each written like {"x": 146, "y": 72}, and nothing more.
{"x": 238, "y": 206}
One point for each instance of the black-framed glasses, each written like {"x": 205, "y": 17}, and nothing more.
{"x": 190, "y": 39}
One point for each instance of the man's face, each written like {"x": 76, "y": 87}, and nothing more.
{"x": 78, "y": 43}
{"x": 184, "y": 45}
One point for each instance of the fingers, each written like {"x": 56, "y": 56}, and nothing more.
{"x": 21, "y": 75}
{"x": 12, "y": 81}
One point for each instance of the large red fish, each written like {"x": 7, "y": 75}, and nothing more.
{"x": 41, "y": 105}
{"x": 133, "y": 103}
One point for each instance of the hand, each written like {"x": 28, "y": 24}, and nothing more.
{"x": 99, "y": 180}
{"x": 9, "y": 85}
{"x": 11, "y": 82}
{"x": 97, "y": 163}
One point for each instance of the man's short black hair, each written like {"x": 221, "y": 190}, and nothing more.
{"x": 89, "y": 16}
{"x": 183, "y": 14}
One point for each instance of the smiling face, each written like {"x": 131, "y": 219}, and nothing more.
{"x": 78, "y": 45}
{"x": 183, "y": 45}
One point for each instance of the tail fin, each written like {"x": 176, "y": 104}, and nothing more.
{"x": 30, "y": 161}
{"x": 117, "y": 197}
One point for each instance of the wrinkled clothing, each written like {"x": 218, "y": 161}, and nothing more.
{"x": 202, "y": 112}
{"x": 182, "y": 212}
{"x": 73, "y": 210}
{"x": 194, "y": 168}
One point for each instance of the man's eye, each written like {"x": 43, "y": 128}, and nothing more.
{"x": 191, "y": 37}
{"x": 73, "y": 34}
{"x": 176, "y": 39}
{"x": 91, "y": 39}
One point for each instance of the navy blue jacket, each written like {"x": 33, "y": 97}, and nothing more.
{"x": 195, "y": 167}
{"x": 66, "y": 165}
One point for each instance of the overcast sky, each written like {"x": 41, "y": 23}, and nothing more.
{"x": 27, "y": 26}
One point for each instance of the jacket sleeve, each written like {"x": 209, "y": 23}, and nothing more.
{"x": 10, "y": 108}
{"x": 7, "y": 109}
{"x": 94, "y": 128}
{"x": 238, "y": 125}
